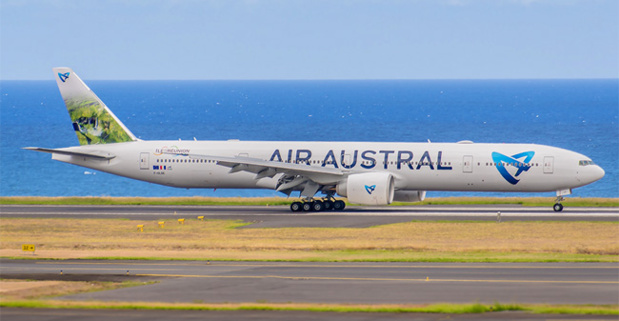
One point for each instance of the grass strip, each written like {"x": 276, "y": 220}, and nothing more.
{"x": 417, "y": 241}
{"x": 445, "y": 308}
{"x": 274, "y": 201}
{"x": 335, "y": 256}
{"x": 447, "y": 258}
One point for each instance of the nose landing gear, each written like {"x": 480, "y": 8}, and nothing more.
{"x": 558, "y": 207}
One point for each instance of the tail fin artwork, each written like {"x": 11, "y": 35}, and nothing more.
{"x": 92, "y": 121}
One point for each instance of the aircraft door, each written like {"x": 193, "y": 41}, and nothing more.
{"x": 144, "y": 158}
{"x": 467, "y": 164}
{"x": 549, "y": 164}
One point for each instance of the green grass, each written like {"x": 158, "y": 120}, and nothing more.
{"x": 340, "y": 308}
{"x": 274, "y": 201}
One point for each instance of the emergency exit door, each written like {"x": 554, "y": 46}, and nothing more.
{"x": 144, "y": 160}
{"x": 467, "y": 164}
{"x": 549, "y": 165}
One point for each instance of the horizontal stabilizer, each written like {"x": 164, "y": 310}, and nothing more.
{"x": 92, "y": 154}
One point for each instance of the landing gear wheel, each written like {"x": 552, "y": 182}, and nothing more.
{"x": 328, "y": 205}
{"x": 296, "y": 206}
{"x": 339, "y": 205}
{"x": 308, "y": 206}
{"x": 558, "y": 207}
{"x": 318, "y": 206}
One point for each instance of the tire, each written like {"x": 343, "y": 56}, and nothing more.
{"x": 339, "y": 205}
{"x": 318, "y": 206}
{"x": 308, "y": 206}
{"x": 558, "y": 207}
{"x": 328, "y": 205}
{"x": 296, "y": 206}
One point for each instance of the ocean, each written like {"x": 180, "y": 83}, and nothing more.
{"x": 579, "y": 115}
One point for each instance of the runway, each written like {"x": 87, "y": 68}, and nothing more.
{"x": 280, "y": 216}
{"x": 333, "y": 282}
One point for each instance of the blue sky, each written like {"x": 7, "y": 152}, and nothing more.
{"x": 310, "y": 39}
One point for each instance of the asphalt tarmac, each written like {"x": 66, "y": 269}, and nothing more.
{"x": 333, "y": 282}
{"x": 356, "y": 283}
{"x": 280, "y": 216}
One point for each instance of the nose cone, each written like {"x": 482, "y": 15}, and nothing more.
{"x": 598, "y": 173}
{"x": 591, "y": 174}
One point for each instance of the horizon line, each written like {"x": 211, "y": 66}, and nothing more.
{"x": 323, "y": 79}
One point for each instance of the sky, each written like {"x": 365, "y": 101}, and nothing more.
{"x": 310, "y": 39}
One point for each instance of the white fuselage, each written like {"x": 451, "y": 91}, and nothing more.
{"x": 415, "y": 166}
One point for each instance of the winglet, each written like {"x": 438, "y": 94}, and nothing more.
{"x": 92, "y": 121}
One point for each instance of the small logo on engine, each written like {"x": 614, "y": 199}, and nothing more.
{"x": 370, "y": 189}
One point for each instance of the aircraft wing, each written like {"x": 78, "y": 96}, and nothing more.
{"x": 295, "y": 174}
{"x": 93, "y": 154}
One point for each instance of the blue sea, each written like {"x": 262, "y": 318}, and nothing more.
{"x": 579, "y": 115}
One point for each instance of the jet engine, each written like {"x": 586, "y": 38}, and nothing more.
{"x": 409, "y": 196}
{"x": 368, "y": 188}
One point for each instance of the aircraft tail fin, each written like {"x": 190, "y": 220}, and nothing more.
{"x": 92, "y": 121}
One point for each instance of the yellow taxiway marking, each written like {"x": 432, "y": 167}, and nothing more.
{"x": 371, "y": 279}
{"x": 348, "y": 266}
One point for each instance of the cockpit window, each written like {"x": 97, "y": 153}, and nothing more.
{"x": 585, "y": 163}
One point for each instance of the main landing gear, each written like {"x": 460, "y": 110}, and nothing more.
{"x": 312, "y": 205}
{"x": 558, "y": 207}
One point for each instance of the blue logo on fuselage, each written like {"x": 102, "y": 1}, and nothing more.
{"x": 502, "y": 161}
{"x": 64, "y": 76}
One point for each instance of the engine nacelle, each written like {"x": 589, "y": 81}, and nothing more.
{"x": 368, "y": 188}
{"x": 409, "y": 196}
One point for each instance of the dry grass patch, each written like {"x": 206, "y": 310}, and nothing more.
{"x": 21, "y": 289}
{"x": 219, "y": 239}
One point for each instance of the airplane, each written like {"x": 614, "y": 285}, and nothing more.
{"x": 366, "y": 173}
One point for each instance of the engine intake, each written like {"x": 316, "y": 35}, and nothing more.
{"x": 409, "y": 196}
